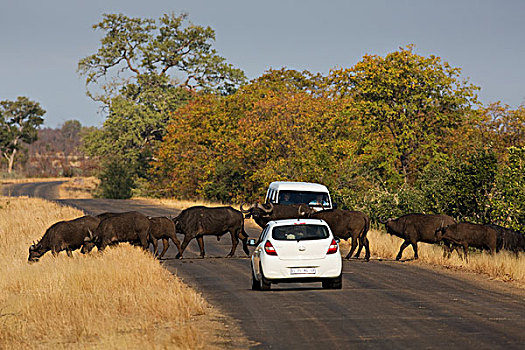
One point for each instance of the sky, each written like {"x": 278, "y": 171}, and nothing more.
{"x": 41, "y": 42}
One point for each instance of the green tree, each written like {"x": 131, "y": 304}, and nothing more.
{"x": 152, "y": 68}
{"x": 411, "y": 99}
{"x": 19, "y": 121}
{"x": 509, "y": 201}
{"x": 145, "y": 47}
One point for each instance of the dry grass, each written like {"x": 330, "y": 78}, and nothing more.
{"x": 29, "y": 179}
{"x": 502, "y": 266}
{"x": 120, "y": 299}
{"x": 78, "y": 187}
{"x": 180, "y": 204}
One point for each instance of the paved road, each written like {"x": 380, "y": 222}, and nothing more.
{"x": 383, "y": 304}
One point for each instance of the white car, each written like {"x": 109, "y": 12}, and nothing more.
{"x": 296, "y": 250}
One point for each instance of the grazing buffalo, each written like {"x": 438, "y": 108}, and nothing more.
{"x": 345, "y": 224}
{"x": 466, "y": 234}
{"x": 162, "y": 228}
{"x": 415, "y": 228}
{"x": 264, "y": 213}
{"x": 132, "y": 227}
{"x": 196, "y": 222}
{"x": 63, "y": 235}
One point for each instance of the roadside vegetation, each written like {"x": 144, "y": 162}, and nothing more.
{"x": 120, "y": 299}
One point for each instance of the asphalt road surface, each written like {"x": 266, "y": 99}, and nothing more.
{"x": 383, "y": 304}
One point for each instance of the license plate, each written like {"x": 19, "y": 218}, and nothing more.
{"x": 303, "y": 270}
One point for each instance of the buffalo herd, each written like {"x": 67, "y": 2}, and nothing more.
{"x": 196, "y": 222}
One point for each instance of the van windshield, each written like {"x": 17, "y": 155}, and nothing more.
{"x": 299, "y": 232}
{"x": 314, "y": 199}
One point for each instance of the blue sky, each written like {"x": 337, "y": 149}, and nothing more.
{"x": 42, "y": 41}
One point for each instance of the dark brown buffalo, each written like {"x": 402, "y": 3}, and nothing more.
{"x": 162, "y": 228}
{"x": 63, "y": 235}
{"x": 415, "y": 228}
{"x": 466, "y": 234}
{"x": 132, "y": 227}
{"x": 264, "y": 213}
{"x": 509, "y": 240}
{"x": 347, "y": 224}
{"x": 196, "y": 222}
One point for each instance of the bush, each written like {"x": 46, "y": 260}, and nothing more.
{"x": 116, "y": 180}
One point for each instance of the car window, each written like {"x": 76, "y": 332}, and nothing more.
{"x": 263, "y": 234}
{"x": 299, "y": 232}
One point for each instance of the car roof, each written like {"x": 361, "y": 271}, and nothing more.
{"x": 285, "y": 222}
{"x": 298, "y": 186}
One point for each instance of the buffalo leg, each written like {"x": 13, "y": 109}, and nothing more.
{"x": 403, "y": 246}
{"x": 414, "y": 246}
{"x": 176, "y": 241}
{"x": 165, "y": 246}
{"x": 366, "y": 243}
{"x": 244, "y": 238}
{"x": 184, "y": 244}
{"x": 155, "y": 243}
{"x": 354, "y": 245}
{"x": 359, "y": 248}
{"x": 363, "y": 242}
{"x": 235, "y": 242}
{"x": 200, "y": 240}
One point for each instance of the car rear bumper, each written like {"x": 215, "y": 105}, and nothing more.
{"x": 281, "y": 270}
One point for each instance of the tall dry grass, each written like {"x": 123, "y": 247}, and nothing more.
{"x": 504, "y": 266}
{"x": 120, "y": 299}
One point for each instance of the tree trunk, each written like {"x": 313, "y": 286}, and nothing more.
{"x": 10, "y": 160}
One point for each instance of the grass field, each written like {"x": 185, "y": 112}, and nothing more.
{"x": 120, "y": 299}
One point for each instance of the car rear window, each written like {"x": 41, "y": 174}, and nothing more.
{"x": 299, "y": 232}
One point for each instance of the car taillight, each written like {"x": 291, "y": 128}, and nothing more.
{"x": 269, "y": 249}
{"x": 332, "y": 248}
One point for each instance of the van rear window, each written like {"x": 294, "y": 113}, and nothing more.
{"x": 310, "y": 198}
{"x": 299, "y": 232}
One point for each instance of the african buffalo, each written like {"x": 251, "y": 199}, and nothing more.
{"x": 508, "y": 239}
{"x": 63, "y": 235}
{"x": 264, "y": 213}
{"x": 345, "y": 224}
{"x": 415, "y": 228}
{"x": 466, "y": 234}
{"x": 162, "y": 228}
{"x": 132, "y": 227}
{"x": 198, "y": 221}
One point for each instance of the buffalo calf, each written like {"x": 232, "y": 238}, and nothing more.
{"x": 162, "y": 228}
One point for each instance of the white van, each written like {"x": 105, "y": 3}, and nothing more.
{"x": 284, "y": 192}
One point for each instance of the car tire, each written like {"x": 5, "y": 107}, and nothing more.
{"x": 264, "y": 283}
{"x": 334, "y": 283}
{"x": 256, "y": 285}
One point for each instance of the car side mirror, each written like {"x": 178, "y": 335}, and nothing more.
{"x": 252, "y": 242}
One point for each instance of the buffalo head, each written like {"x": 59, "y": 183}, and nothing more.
{"x": 35, "y": 252}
